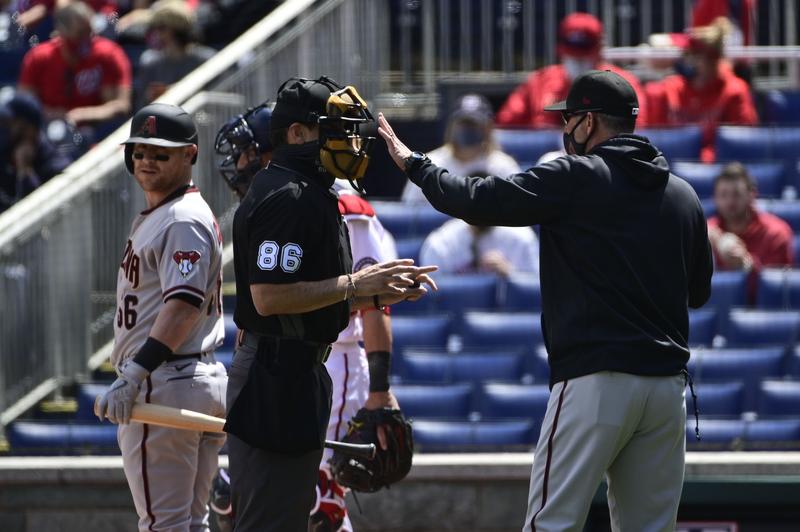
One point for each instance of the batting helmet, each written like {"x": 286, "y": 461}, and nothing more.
{"x": 240, "y": 134}
{"x": 160, "y": 124}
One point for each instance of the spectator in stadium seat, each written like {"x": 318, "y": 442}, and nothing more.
{"x": 37, "y": 10}
{"x": 173, "y": 50}
{"x": 78, "y": 76}
{"x": 458, "y": 247}
{"x": 469, "y": 146}
{"x": 705, "y": 91}
{"x": 742, "y": 237}
{"x": 580, "y": 43}
{"x": 27, "y": 157}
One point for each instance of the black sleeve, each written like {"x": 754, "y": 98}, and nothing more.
{"x": 703, "y": 266}
{"x": 541, "y": 194}
{"x": 279, "y": 230}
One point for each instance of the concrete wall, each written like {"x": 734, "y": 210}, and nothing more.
{"x": 481, "y": 493}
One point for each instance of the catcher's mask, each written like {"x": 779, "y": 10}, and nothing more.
{"x": 248, "y": 131}
{"x": 344, "y": 151}
{"x": 160, "y": 124}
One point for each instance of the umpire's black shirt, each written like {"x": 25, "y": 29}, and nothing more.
{"x": 288, "y": 229}
{"x": 624, "y": 248}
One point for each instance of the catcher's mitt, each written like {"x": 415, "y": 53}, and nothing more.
{"x": 388, "y": 466}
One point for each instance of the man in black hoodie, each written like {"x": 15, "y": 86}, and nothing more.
{"x": 624, "y": 249}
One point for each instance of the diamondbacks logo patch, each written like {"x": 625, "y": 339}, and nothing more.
{"x": 149, "y": 127}
{"x": 185, "y": 261}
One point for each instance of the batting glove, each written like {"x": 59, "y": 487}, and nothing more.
{"x": 117, "y": 402}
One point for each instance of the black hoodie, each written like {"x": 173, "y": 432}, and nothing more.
{"x": 624, "y": 249}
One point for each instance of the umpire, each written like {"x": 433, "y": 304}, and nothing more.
{"x": 295, "y": 292}
{"x": 624, "y": 249}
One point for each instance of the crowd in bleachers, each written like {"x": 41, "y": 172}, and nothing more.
{"x": 89, "y": 64}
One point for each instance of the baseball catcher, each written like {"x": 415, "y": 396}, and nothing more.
{"x": 391, "y": 433}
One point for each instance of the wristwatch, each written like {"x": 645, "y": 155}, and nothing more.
{"x": 414, "y": 161}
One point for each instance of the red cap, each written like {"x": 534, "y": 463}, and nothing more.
{"x": 580, "y": 34}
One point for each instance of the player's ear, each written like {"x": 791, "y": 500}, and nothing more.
{"x": 190, "y": 153}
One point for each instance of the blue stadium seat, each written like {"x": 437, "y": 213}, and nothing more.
{"x": 747, "y": 365}
{"x": 514, "y": 401}
{"x": 702, "y": 327}
{"x": 522, "y": 292}
{"x": 773, "y": 435}
{"x": 788, "y": 211}
{"x": 539, "y": 367}
{"x": 45, "y": 438}
{"x": 718, "y": 398}
{"x": 747, "y": 328}
{"x": 450, "y": 436}
{"x": 484, "y": 329}
{"x": 420, "y": 366}
{"x": 709, "y": 208}
{"x": 403, "y": 220}
{"x": 459, "y": 292}
{"x": 676, "y": 143}
{"x": 420, "y": 331}
{"x": 716, "y": 434}
{"x": 781, "y": 107}
{"x": 748, "y": 144}
{"x": 408, "y": 248}
{"x": 86, "y": 395}
{"x": 728, "y": 290}
{"x": 778, "y": 289}
{"x": 527, "y": 145}
{"x": 230, "y": 332}
{"x": 769, "y": 176}
{"x": 779, "y": 398}
{"x": 793, "y": 363}
{"x": 435, "y": 401}
{"x": 797, "y": 249}
{"x": 225, "y": 356}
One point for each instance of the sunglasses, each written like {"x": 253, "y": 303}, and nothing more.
{"x": 566, "y": 115}
{"x": 160, "y": 157}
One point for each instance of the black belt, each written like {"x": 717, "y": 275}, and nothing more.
{"x": 319, "y": 351}
{"x": 174, "y": 357}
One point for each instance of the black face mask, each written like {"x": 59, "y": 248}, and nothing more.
{"x": 578, "y": 148}
{"x": 305, "y": 159}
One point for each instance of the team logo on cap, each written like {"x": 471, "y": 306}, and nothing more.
{"x": 185, "y": 261}
{"x": 149, "y": 127}
{"x": 586, "y": 101}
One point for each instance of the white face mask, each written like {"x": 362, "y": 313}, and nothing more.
{"x": 575, "y": 67}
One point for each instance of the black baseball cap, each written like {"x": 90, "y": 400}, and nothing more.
{"x": 164, "y": 125}
{"x": 300, "y": 100}
{"x": 601, "y": 91}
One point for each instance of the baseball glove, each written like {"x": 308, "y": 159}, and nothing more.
{"x": 389, "y": 465}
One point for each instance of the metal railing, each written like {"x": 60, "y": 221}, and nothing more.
{"x": 60, "y": 246}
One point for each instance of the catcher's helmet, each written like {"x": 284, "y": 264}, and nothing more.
{"x": 160, "y": 124}
{"x": 237, "y": 136}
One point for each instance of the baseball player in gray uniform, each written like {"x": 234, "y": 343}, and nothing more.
{"x": 168, "y": 323}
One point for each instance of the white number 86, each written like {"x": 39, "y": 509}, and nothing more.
{"x": 291, "y": 256}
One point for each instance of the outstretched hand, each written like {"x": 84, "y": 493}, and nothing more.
{"x": 394, "y": 281}
{"x": 398, "y": 151}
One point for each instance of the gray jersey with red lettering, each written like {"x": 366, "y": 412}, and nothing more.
{"x": 174, "y": 250}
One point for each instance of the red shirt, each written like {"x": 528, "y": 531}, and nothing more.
{"x": 99, "y": 6}
{"x": 725, "y": 100}
{"x": 525, "y": 106}
{"x": 62, "y": 86}
{"x": 768, "y": 238}
{"x": 705, "y": 11}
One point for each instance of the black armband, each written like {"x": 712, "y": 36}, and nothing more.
{"x": 152, "y": 354}
{"x": 379, "y": 364}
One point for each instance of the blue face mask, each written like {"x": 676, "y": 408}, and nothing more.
{"x": 467, "y": 137}
{"x": 686, "y": 70}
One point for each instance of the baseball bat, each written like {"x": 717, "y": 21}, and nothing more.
{"x": 181, "y": 418}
